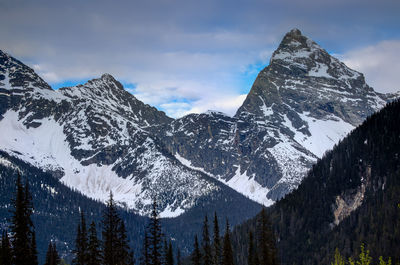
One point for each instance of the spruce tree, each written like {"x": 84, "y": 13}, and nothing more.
{"x": 110, "y": 223}
{"x": 216, "y": 242}
{"x": 23, "y": 240}
{"x": 155, "y": 237}
{"x": 227, "y": 254}
{"x": 81, "y": 243}
{"x": 206, "y": 246}
{"x": 170, "y": 255}
{"x": 266, "y": 241}
{"x": 125, "y": 255}
{"x": 196, "y": 255}
{"x": 93, "y": 250}
{"x": 5, "y": 254}
{"x": 52, "y": 257}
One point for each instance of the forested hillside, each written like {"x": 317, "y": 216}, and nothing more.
{"x": 349, "y": 197}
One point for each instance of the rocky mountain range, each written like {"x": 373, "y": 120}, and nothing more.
{"x": 97, "y": 137}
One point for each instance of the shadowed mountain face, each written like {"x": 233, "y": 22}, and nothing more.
{"x": 97, "y": 137}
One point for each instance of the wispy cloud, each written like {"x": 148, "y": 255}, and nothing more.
{"x": 380, "y": 64}
{"x": 184, "y": 56}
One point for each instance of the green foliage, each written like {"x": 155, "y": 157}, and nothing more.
{"x": 338, "y": 260}
{"x": 382, "y": 261}
{"x": 81, "y": 243}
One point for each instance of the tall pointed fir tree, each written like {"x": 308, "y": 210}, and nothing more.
{"x": 170, "y": 255}
{"x": 81, "y": 243}
{"x": 52, "y": 257}
{"x": 227, "y": 254}
{"x": 205, "y": 244}
{"x": 93, "y": 250}
{"x": 23, "y": 241}
{"x": 155, "y": 237}
{"x": 115, "y": 246}
{"x": 196, "y": 255}
{"x": 216, "y": 242}
{"x": 5, "y": 252}
{"x": 266, "y": 241}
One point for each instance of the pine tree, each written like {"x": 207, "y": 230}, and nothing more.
{"x": 216, "y": 242}
{"x": 196, "y": 255}
{"x": 93, "y": 250}
{"x": 206, "y": 246}
{"x": 110, "y": 225}
{"x": 125, "y": 256}
{"x": 23, "y": 240}
{"x": 5, "y": 254}
{"x": 155, "y": 237}
{"x": 170, "y": 255}
{"x": 266, "y": 241}
{"x": 252, "y": 254}
{"x": 81, "y": 243}
{"x": 227, "y": 254}
{"x": 52, "y": 257}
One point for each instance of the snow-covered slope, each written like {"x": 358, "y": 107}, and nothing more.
{"x": 93, "y": 137}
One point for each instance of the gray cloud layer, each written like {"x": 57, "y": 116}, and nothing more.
{"x": 185, "y": 56}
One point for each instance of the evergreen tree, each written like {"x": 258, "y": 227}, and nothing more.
{"x": 81, "y": 243}
{"x": 170, "y": 255}
{"x": 52, "y": 257}
{"x": 216, "y": 242}
{"x": 252, "y": 254}
{"x": 164, "y": 252}
{"x": 266, "y": 241}
{"x": 155, "y": 237}
{"x": 125, "y": 255}
{"x": 93, "y": 250}
{"x": 206, "y": 246}
{"x": 110, "y": 225}
{"x": 23, "y": 240}
{"x": 196, "y": 255}
{"x": 5, "y": 254}
{"x": 227, "y": 255}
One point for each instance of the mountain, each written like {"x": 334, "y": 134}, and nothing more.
{"x": 349, "y": 197}
{"x": 96, "y": 138}
{"x": 299, "y": 106}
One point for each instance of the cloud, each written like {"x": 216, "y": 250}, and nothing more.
{"x": 380, "y": 64}
{"x": 182, "y": 55}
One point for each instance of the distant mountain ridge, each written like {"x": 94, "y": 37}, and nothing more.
{"x": 97, "y": 137}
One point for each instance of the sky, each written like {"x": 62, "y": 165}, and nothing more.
{"x": 188, "y": 56}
